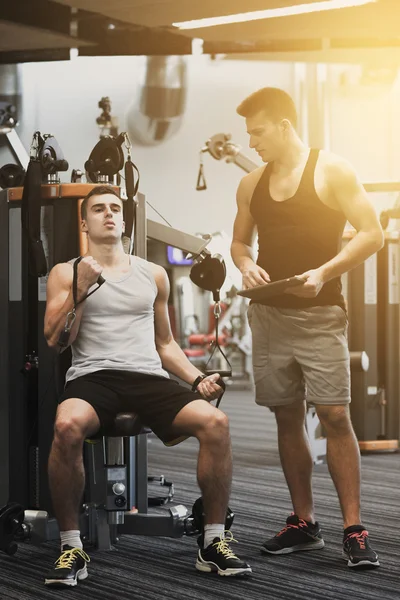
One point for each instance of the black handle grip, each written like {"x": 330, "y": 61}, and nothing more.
{"x": 63, "y": 339}
{"x": 100, "y": 280}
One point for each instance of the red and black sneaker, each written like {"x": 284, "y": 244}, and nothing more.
{"x": 298, "y": 535}
{"x": 357, "y": 548}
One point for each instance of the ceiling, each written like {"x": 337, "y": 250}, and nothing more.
{"x": 145, "y": 27}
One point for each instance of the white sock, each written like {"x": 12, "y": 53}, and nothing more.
{"x": 71, "y": 538}
{"x": 215, "y": 530}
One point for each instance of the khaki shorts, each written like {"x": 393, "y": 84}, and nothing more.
{"x": 300, "y": 354}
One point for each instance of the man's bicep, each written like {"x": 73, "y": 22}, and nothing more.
{"x": 162, "y": 325}
{"x": 244, "y": 228}
{"x": 352, "y": 199}
{"x": 58, "y": 289}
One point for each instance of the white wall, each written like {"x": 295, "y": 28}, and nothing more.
{"x": 365, "y": 125}
{"x": 61, "y": 98}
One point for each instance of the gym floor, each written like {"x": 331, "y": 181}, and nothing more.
{"x": 160, "y": 568}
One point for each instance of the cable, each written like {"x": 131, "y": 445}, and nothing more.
{"x": 159, "y": 214}
{"x": 155, "y": 210}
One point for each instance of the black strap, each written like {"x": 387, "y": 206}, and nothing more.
{"x": 71, "y": 316}
{"x": 219, "y": 382}
{"x": 217, "y": 347}
{"x": 75, "y": 282}
{"x": 196, "y": 382}
{"x": 30, "y": 218}
{"x": 129, "y": 209}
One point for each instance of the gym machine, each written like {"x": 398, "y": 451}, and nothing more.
{"x": 117, "y": 464}
{"x": 221, "y": 147}
{"x": 11, "y": 174}
{"x": 372, "y": 296}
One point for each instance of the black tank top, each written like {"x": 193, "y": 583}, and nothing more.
{"x": 297, "y": 235}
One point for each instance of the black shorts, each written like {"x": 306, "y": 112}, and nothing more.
{"x": 155, "y": 399}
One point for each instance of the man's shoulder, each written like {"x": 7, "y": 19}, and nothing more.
{"x": 61, "y": 276}
{"x": 249, "y": 182}
{"x": 253, "y": 177}
{"x": 147, "y": 264}
{"x": 334, "y": 164}
{"x": 64, "y": 269}
{"x": 157, "y": 271}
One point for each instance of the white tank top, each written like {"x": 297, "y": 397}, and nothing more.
{"x": 117, "y": 326}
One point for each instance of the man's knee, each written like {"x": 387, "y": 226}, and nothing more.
{"x": 334, "y": 418}
{"x": 68, "y": 431}
{"x": 75, "y": 420}
{"x": 215, "y": 426}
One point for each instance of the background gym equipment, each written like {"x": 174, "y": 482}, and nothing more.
{"x": 196, "y": 519}
{"x": 373, "y": 304}
{"x": 210, "y": 275}
{"x": 221, "y": 147}
{"x": 107, "y": 123}
{"x": 12, "y": 175}
{"x": 157, "y": 112}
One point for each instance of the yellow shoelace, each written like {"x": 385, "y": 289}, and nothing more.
{"x": 68, "y": 556}
{"x": 223, "y": 547}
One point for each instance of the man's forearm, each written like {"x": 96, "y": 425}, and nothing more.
{"x": 175, "y": 361}
{"x": 242, "y": 254}
{"x": 363, "y": 245}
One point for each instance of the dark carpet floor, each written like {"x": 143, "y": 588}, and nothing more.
{"x": 160, "y": 568}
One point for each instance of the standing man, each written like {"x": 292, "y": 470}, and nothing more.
{"x": 298, "y": 204}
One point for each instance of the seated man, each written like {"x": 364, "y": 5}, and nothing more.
{"x": 121, "y": 343}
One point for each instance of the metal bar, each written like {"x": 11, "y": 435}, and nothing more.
{"x": 130, "y": 461}
{"x": 382, "y": 186}
{"x": 141, "y": 473}
{"x": 4, "y": 353}
{"x": 362, "y": 302}
{"x": 174, "y": 237}
{"x": 244, "y": 162}
{"x": 152, "y": 524}
{"x": 391, "y": 410}
{"x": 115, "y": 450}
{"x": 18, "y": 148}
{"x": 141, "y": 227}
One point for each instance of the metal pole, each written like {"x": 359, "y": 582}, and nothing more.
{"x": 137, "y": 463}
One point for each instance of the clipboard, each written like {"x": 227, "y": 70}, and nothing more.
{"x": 265, "y": 291}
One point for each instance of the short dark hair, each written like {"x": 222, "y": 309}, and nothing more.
{"x": 276, "y": 103}
{"x": 98, "y": 190}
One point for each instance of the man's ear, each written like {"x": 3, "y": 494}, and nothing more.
{"x": 123, "y": 226}
{"x": 84, "y": 226}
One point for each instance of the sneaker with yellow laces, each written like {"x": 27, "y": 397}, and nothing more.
{"x": 69, "y": 568}
{"x": 219, "y": 558}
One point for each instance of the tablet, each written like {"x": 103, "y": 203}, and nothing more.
{"x": 262, "y": 292}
